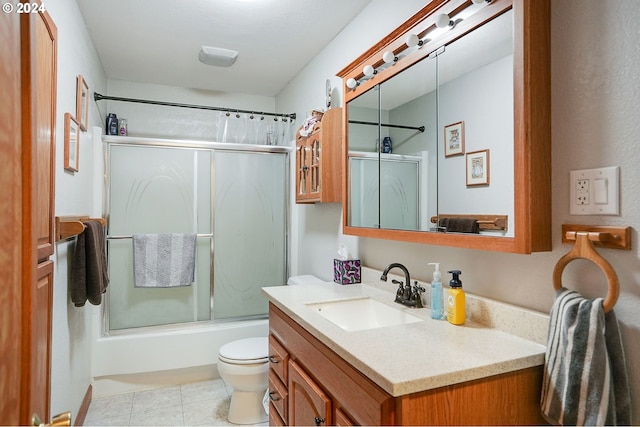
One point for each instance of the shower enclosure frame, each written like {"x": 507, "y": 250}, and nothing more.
{"x": 109, "y": 141}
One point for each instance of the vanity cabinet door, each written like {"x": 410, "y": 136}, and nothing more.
{"x": 308, "y": 404}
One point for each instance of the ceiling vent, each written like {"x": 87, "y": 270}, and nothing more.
{"x": 217, "y": 56}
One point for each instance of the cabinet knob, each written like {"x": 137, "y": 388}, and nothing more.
{"x": 274, "y": 396}
{"x": 273, "y": 359}
{"x": 319, "y": 421}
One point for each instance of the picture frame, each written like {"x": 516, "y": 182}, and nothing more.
{"x": 71, "y": 143}
{"x": 454, "y": 139}
{"x": 478, "y": 169}
{"x": 82, "y": 102}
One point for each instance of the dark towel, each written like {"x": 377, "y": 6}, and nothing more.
{"x": 585, "y": 377}
{"x": 459, "y": 225}
{"x": 89, "y": 276}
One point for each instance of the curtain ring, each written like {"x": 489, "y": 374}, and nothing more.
{"x": 228, "y": 113}
{"x": 237, "y": 114}
{"x": 251, "y": 116}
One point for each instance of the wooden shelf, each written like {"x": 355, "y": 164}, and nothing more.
{"x": 71, "y": 226}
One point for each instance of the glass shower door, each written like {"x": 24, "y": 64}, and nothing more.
{"x": 250, "y": 246}
{"x": 157, "y": 190}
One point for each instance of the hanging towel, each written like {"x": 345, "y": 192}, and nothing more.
{"x": 585, "y": 378}
{"x": 89, "y": 276}
{"x": 459, "y": 225}
{"x": 163, "y": 260}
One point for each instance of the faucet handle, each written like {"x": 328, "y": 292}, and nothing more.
{"x": 418, "y": 288}
{"x": 415, "y": 295}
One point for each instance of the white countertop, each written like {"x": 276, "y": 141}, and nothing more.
{"x": 412, "y": 357}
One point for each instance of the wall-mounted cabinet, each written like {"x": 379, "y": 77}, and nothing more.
{"x": 469, "y": 104}
{"x": 318, "y": 161}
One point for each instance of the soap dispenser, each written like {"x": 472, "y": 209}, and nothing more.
{"x": 456, "y": 304}
{"x": 437, "y": 310}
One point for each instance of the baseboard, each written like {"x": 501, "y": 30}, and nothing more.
{"x": 84, "y": 407}
{"x": 127, "y": 383}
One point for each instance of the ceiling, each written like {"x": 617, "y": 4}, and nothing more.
{"x": 157, "y": 41}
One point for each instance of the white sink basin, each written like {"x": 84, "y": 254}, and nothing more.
{"x": 362, "y": 313}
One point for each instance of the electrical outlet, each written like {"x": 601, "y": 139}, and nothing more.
{"x": 594, "y": 191}
{"x": 582, "y": 192}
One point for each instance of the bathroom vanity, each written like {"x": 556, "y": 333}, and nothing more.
{"x": 417, "y": 372}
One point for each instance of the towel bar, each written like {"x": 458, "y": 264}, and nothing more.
{"x": 70, "y": 226}
{"x": 583, "y": 249}
{"x": 486, "y": 222}
{"x": 210, "y": 235}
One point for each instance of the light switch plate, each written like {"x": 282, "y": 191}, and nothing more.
{"x": 594, "y": 191}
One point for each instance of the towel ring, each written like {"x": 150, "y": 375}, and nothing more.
{"x": 585, "y": 250}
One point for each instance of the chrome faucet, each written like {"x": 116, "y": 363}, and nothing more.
{"x": 405, "y": 295}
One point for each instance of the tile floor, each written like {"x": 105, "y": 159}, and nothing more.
{"x": 196, "y": 404}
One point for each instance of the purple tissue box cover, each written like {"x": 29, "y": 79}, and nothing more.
{"x": 346, "y": 272}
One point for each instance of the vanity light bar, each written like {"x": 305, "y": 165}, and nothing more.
{"x": 442, "y": 23}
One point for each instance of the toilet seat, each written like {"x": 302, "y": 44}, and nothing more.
{"x": 245, "y": 351}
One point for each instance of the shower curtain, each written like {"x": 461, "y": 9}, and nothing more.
{"x": 233, "y": 196}
{"x": 253, "y": 128}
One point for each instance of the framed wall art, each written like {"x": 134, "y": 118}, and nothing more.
{"x": 82, "y": 103}
{"x": 454, "y": 139}
{"x": 71, "y": 143}
{"x": 478, "y": 168}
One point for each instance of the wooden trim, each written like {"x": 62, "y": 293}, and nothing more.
{"x": 84, "y": 407}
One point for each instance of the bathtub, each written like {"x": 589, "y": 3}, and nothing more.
{"x": 164, "y": 356}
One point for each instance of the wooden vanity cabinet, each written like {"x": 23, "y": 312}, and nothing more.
{"x": 318, "y": 161}
{"x": 315, "y": 386}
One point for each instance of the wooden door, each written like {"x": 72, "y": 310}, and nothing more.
{"x": 27, "y": 131}
{"x": 10, "y": 220}
{"x": 39, "y": 66}
{"x": 308, "y": 404}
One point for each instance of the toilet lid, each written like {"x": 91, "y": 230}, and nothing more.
{"x": 248, "y": 350}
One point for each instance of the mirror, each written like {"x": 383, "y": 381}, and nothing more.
{"x": 394, "y": 186}
{"x": 442, "y": 132}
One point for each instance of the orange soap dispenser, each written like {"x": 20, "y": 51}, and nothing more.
{"x": 456, "y": 303}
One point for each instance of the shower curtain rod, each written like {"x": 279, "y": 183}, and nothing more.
{"x": 99, "y": 97}
{"x": 389, "y": 125}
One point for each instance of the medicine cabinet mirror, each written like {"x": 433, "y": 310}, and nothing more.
{"x": 449, "y": 117}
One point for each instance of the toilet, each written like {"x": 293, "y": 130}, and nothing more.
{"x": 244, "y": 365}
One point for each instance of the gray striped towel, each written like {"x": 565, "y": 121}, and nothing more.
{"x": 585, "y": 378}
{"x": 163, "y": 260}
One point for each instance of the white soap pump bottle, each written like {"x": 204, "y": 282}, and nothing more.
{"x": 437, "y": 308}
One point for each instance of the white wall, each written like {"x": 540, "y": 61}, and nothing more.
{"x": 595, "y": 88}
{"x": 72, "y": 326}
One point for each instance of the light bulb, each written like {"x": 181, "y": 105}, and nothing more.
{"x": 412, "y": 40}
{"x": 368, "y": 71}
{"x": 351, "y": 83}
{"x": 388, "y": 57}
{"x": 443, "y": 21}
